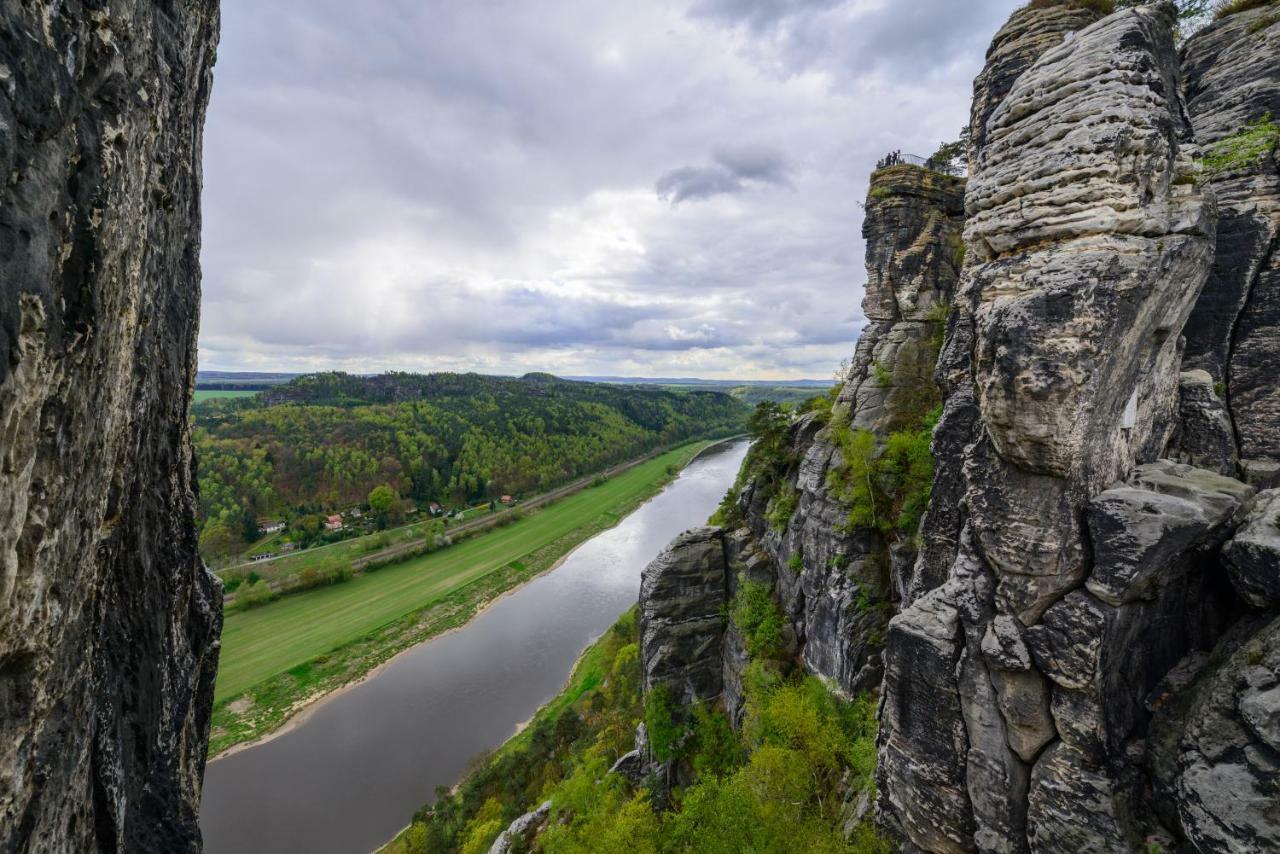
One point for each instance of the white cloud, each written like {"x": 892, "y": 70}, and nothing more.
{"x": 463, "y": 185}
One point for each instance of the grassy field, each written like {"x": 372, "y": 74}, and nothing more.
{"x": 276, "y": 657}
{"x": 289, "y": 565}
{"x": 214, "y": 393}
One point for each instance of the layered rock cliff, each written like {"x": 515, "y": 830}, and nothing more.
{"x": 836, "y": 578}
{"x": 1083, "y": 656}
{"x": 1017, "y": 701}
{"x": 1231, "y": 79}
{"x": 108, "y": 619}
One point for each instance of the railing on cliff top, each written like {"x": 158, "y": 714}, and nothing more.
{"x": 956, "y": 166}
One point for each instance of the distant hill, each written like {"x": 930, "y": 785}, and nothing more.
{"x": 323, "y": 441}
{"x": 695, "y": 381}
{"x": 749, "y": 392}
{"x": 240, "y": 380}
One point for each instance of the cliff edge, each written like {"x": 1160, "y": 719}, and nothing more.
{"x": 109, "y": 621}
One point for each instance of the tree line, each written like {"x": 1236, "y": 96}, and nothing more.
{"x": 325, "y": 441}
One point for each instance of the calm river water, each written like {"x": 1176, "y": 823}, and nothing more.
{"x": 350, "y": 776}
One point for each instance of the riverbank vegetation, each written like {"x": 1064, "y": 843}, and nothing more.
{"x": 325, "y": 442}
{"x": 279, "y": 656}
{"x": 789, "y": 780}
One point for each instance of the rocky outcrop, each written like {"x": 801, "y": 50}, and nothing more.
{"x": 838, "y": 584}
{"x": 1205, "y": 437}
{"x": 1029, "y": 32}
{"x": 109, "y": 622}
{"x": 1232, "y": 79}
{"x": 1252, "y": 558}
{"x": 1217, "y": 747}
{"x": 522, "y": 831}
{"x": 684, "y": 594}
{"x": 1087, "y": 242}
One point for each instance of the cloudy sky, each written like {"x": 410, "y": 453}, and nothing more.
{"x": 643, "y": 188}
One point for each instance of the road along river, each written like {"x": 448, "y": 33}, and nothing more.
{"x": 350, "y": 774}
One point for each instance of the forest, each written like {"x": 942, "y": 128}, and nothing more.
{"x": 324, "y": 442}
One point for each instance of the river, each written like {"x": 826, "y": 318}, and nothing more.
{"x": 350, "y": 776}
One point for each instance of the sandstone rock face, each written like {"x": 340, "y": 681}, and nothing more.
{"x": 837, "y": 585}
{"x": 1252, "y": 558}
{"x": 1232, "y": 79}
{"x": 683, "y": 594}
{"x": 1205, "y": 436}
{"x": 1220, "y": 768}
{"x": 1028, "y": 34}
{"x": 1088, "y": 240}
{"x": 109, "y": 621}
{"x": 522, "y": 831}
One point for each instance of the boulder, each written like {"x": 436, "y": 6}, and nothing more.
{"x": 1205, "y": 437}
{"x": 1252, "y": 557}
{"x": 1146, "y": 535}
{"x": 522, "y": 831}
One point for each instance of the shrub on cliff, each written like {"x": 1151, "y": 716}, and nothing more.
{"x": 757, "y": 617}
{"x": 886, "y": 488}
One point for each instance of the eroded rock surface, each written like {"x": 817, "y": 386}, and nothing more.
{"x": 683, "y": 597}
{"x": 109, "y": 622}
{"x": 1232, "y": 79}
{"x": 1088, "y": 241}
{"x": 1252, "y": 558}
{"x": 1218, "y": 762}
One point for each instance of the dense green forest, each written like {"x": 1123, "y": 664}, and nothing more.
{"x": 324, "y": 441}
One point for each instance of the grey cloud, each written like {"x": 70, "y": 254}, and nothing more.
{"x": 758, "y": 14}
{"x": 471, "y": 185}
{"x": 918, "y": 40}
{"x": 732, "y": 169}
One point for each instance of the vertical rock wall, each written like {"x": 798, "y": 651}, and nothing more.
{"x": 108, "y": 619}
{"x": 1232, "y": 78}
{"x": 838, "y": 585}
{"x": 1088, "y": 240}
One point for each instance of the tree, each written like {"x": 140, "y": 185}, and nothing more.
{"x": 304, "y": 529}
{"x": 769, "y": 425}
{"x": 384, "y": 503}
{"x": 218, "y": 539}
{"x": 944, "y": 159}
{"x": 248, "y": 526}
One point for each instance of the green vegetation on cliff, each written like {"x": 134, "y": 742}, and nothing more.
{"x": 886, "y": 487}
{"x": 323, "y": 442}
{"x": 1242, "y": 150}
{"x": 785, "y": 782}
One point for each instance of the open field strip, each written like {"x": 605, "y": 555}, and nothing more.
{"x": 279, "y": 657}
{"x": 215, "y": 393}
